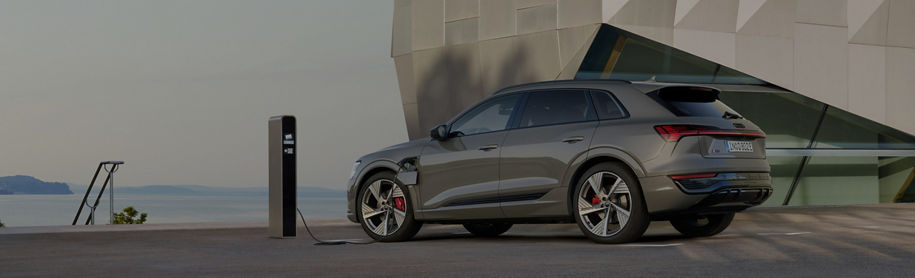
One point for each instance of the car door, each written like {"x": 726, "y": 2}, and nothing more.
{"x": 459, "y": 176}
{"x": 554, "y": 130}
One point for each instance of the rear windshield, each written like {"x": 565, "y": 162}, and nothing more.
{"x": 693, "y": 103}
{"x": 699, "y": 109}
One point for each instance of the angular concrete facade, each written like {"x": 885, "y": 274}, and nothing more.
{"x": 450, "y": 54}
{"x": 857, "y": 55}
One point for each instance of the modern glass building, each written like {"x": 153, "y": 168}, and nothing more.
{"x": 831, "y": 85}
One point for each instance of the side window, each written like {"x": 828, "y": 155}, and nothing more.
{"x": 607, "y": 106}
{"x": 556, "y": 107}
{"x": 490, "y": 116}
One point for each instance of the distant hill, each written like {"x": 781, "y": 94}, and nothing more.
{"x": 20, "y": 184}
{"x": 200, "y": 190}
{"x": 157, "y": 190}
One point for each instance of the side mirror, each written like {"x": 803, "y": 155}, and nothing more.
{"x": 440, "y": 133}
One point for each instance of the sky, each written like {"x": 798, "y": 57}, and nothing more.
{"x": 182, "y": 90}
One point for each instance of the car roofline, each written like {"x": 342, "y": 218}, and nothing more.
{"x": 646, "y": 86}
{"x": 552, "y": 82}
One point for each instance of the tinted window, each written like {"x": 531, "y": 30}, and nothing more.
{"x": 700, "y": 109}
{"x": 490, "y": 116}
{"x": 606, "y": 105}
{"x": 693, "y": 102}
{"x": 556, "y": 107}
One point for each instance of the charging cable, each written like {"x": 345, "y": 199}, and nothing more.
{"x": 329, "y": 242}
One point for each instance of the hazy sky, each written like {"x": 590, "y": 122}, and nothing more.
{"x": 182, "y": 90}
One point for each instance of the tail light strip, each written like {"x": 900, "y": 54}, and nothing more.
{"x": 673, "y": 133}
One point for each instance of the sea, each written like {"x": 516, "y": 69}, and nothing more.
{"x": 53, "y": 210}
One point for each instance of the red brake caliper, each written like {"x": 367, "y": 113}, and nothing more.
{"x": 595, "y": 200}
{"x": 399, "y": 203}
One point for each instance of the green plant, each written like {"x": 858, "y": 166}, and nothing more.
{"x": 1, "y": 224}
{"x": 129, "y": 216}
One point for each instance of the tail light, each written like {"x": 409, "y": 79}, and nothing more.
{"x": 673, "y": 133}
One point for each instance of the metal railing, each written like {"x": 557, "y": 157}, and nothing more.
{"x": 109, "y": 179}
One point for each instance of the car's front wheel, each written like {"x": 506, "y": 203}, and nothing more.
{"x": 610, "y": 207}
{"x": 384, "y": 209}
{"x": 702, "y": 225}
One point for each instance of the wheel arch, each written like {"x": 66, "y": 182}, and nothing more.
{"x": 366, "y": 173}
{"x": 587, "y": 164}
{"x": 373, "y": 168}
{"x": 610, "y": 153}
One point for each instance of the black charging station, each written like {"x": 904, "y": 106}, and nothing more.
{"x": 282, "y": 196}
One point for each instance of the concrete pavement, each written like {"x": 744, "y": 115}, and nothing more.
{"x": 869, "y": 240}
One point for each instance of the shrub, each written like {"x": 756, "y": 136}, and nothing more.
{"x": 129, "y": 216}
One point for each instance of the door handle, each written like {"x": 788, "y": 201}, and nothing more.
{"x": 573, "y": 139}
{"x": 488, "y": 147}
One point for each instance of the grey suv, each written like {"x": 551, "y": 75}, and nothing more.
{"x": 610, "y": 156}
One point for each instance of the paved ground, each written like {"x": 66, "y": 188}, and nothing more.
{"x": 876, "y": 240}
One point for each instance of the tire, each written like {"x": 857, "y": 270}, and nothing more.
{"x": 388, "y": 220}
{"x": 487, "y": 229}
{"x": 591, "y": 205}
{"x": 702, "y": 226}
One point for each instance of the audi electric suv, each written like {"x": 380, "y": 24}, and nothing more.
{"x": 610, "y": 156}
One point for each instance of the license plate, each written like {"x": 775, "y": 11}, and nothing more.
{"x": 740, "y": 146}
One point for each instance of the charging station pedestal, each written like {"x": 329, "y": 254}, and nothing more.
{"x": 282, "y": 196}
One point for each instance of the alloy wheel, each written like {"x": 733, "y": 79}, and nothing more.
{"x": 384, "y": 207}
{"x": 604, "y": 204}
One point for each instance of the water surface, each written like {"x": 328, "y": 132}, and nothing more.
{"x": 45, "y": 210}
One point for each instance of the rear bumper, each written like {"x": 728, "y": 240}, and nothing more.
{"x": 734, "y": 197}
{"x": 722, "y": 181}
{"x": 666, "y": 197}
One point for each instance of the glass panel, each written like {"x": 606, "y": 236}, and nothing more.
{"x": 845, "y": 130}
{"x": 487, "y": 117}
{"x": 832, "y": 180}
{"x": 784, "y": 168}
{"x": 897, "y": 179}
{"x": 840, "y": 180}
{"x": 547, "y": 108}
{"x": 644, "y": 60}
{"x": 599, "y": 55}
{"x": 618, "y": 54}
{"x": 728, "y": 75}
{"x": 788, "y": 119}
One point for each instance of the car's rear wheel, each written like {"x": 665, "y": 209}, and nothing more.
{"x": 384, "y": 209}
{"x": 487, "y": 229}
{"x": 702, "y": 225}
{"x": 610, "y": 207}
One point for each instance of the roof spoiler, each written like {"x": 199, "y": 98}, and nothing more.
{"x": 689, "y": 93}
